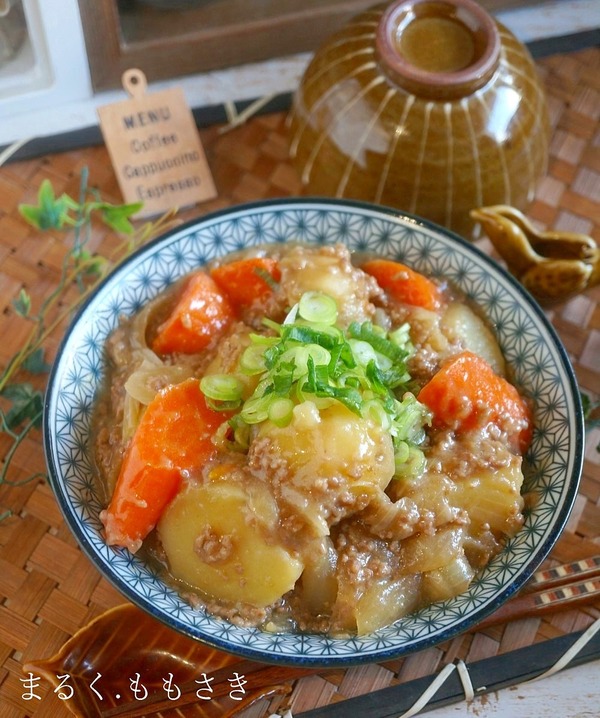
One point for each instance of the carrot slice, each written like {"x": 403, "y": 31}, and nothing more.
{"x": 466, "y": 393}
{"x": 246, "y": 280}
{"x": 173, "y": 436}
{"x": 201, "y": 313}
{"x": 404, "y": 284}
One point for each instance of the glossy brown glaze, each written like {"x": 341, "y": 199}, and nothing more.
{"x": 127, "y": 663}
{"x": 554, "y": 265}
{"x": 399, "y": 109}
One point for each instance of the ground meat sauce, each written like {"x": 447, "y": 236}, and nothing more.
{"x": 325, "y": 520}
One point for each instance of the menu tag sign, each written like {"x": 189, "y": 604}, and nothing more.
{"x": 155, "y": 149}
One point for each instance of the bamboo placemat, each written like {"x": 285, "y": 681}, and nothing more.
{"x": 49, "y": 589}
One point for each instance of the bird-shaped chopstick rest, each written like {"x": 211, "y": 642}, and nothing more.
{"x": 552, "y": 265}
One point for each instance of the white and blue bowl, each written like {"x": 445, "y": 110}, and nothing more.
{"x": 531, "y": 347}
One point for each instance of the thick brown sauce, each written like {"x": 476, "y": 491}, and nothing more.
{"x": 414, "y": 543}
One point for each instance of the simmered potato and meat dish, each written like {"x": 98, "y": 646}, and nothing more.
{"x": 306, "y": 440}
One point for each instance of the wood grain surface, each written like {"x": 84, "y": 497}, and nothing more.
{"x": 49, "y": 589}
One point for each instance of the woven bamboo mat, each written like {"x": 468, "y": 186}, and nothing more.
{"x": 48, "y": 588}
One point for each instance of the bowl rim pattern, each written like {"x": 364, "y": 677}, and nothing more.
{"x": 536, "y": 352}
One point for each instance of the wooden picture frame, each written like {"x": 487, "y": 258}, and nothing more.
{"x": 121, "y": 34}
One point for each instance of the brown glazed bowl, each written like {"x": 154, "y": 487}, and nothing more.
{"x": 428, "y": 106}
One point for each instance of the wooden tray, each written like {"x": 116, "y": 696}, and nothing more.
{"x": 48, "y": 588}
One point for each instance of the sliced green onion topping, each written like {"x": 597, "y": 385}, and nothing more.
{"x": 409, "y": 464}
{"x": 267, "y": 277}
{"x": 270, "y": 323}
{"x": 318, "y": 308}
{"x": 226, "y": 437}
{"x": 225, "y": 388}
{"x": 309, "y": 358}
{"x": 402, "y": 453}
{"x": 299, "y": 356}
{"x": 292, "y": 315}
{"x": 325, "y": 337}
{"x": 256, "y": 409}
{"x": 252, "y": 360}
{"x": 241, "y": 432}
{"x": 401, "y": 337}
{"x": 363, "y": 351}
{"x": 375, "y": 412}
{"x": 376, "y": 337}
{"x": 280, "y": 411}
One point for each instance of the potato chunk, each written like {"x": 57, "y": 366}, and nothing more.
{"x": 334, "y": 463}
{"x": 216, "y": 543}
{"x": 460, "y": 323}
{"x": 329, "y": 270}
{"x": 385, "y": 601}
{"x": 492, "y": 499}
{"x": 333, "y": 443}
{"x": 318, "y": 585}
{"x": 427, "y": 552}
{"x": 448, "y": 581}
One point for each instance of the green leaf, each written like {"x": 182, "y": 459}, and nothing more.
{"x": 591, "y": 414}
{"x": 22, "y": 404}
{"x": 51, "y": 212}
{"x": 91, "y": 265}
{"x": 26, "y": 404}
{"x": 117, "y": 216}
{"x": 22, "y": 304}
{"x": 35, "y": 363}
{"x": 32, "y": 214}
{"x": 591, "y": 411}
